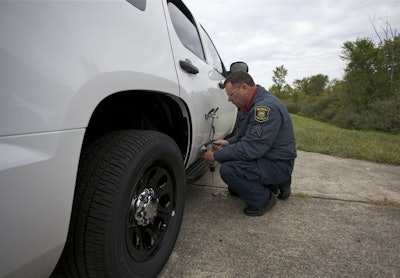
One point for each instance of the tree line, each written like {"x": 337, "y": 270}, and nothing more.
{"x": 368, "y": 96}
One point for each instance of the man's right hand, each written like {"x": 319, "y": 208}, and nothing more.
{"x": 219, "y": 144}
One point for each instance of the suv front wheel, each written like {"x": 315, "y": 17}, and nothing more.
{"x": 128, "y": 207}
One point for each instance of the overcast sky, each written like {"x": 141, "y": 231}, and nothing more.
{"x": 304, "y": 36}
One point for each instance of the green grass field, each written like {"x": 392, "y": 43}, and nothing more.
{"x": 319, "y": 137}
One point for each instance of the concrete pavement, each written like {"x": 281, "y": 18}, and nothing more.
{"x": 342, "y": 220}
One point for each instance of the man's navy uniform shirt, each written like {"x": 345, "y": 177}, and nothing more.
{"x": 265, "y": 130}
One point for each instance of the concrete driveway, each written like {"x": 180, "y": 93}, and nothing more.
{"x": 342, "y": 220}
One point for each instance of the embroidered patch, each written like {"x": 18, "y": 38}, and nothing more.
{"x": 261, "y": 114}
{"x": 257, "y": 129}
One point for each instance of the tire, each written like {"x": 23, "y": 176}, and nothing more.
{"x": 127, "y": 209}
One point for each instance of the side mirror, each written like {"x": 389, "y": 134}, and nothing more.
{"x": 236, "y": 66}
{"x": 239, "y": 66}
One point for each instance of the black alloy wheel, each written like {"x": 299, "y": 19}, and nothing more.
{"x": 128, "y": 207}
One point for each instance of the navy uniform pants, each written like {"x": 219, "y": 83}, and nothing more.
{"x": 253, "y": 180}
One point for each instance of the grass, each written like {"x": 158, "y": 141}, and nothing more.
{"x": 319, "y": 137}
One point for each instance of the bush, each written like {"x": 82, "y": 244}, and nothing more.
{"x": 293, "y": 107}
{"x": 345, "y": 119}
{"x": 382, "y": 115}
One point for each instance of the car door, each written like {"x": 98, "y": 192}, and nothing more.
{"x": 201, "y": 74}
{"x": 227, "y": 112}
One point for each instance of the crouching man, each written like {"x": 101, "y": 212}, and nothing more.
{"x": 257, "y": 162}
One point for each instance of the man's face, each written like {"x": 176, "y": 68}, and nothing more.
{"x": 236, "y": 94}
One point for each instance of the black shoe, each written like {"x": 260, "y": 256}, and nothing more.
{"x": 267, "y": 205}
{"x": 284, "y": 189}
{"x": 233, "y": 193}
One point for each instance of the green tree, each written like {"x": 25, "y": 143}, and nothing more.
{"x": 389, "y": 43}
{"x": 314, "y": 85}
{"x": 391, "y": 57}
{"x": 367, "y": 98}
{"x": 278, "y": 78}
{"x": 370, "y": 99}
{"x": 363, "y": 64}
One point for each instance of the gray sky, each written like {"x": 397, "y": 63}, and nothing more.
{"x": 304, "y": 36}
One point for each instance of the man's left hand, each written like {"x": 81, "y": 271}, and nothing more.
{"x": 209, "y": 157}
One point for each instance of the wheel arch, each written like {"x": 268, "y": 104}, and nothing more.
{"x": 143, "y": 110}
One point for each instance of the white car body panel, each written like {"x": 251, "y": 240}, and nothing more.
{"x": 37, "y": 172}
{"x": 202, "y": 93}
{"x": 80, "y": 66}
{"x": 59, "y": 60}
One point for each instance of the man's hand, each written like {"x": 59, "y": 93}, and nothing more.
{"x": 219, "y": 144}
{"x": 209, "y": 157}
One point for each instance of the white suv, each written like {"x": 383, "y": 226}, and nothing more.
{"x": 104, "y": 109}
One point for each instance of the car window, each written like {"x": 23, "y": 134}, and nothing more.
{"x": 215, "y": 59}
{"x": 186, "y": 29}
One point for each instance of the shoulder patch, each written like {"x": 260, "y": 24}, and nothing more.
{"x": 261, "y": 113}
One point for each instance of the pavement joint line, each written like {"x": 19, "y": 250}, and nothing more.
{"x": 383, "y": 202}
{"x": 210, "y": 186}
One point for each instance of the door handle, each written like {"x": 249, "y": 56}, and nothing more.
{"x": 188, "y": 67}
